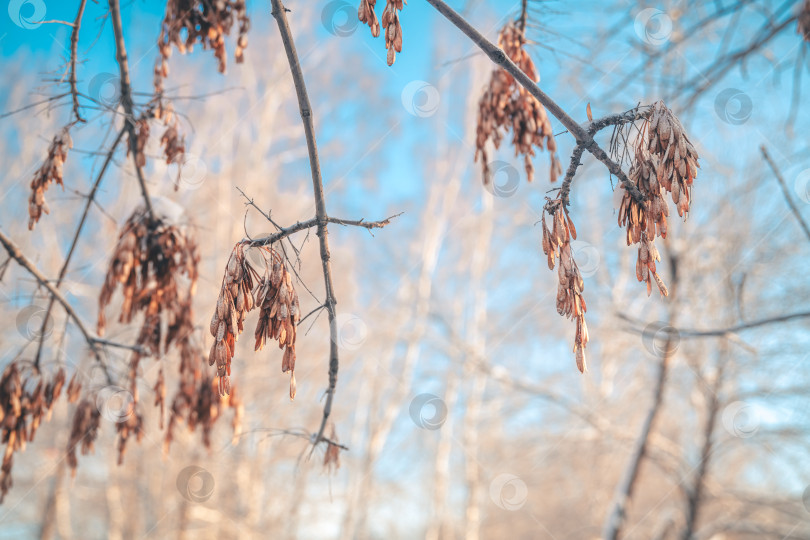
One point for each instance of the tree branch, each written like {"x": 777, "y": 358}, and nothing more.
{"x": 90, "y": 198}
{"x": 279, "y": 12}
{"x": 593, "y": 128}
{"x": 710, "y": 76}
{"x": 74, "y": 44}
{"x": 720, "y": 332}
{"x": 624, "y": 491}
{"x": 92, "y": 340}
{"x": 499, "y": 57}
{"x": 126, "y": 99}
{"x": 694, "y": 496}
{"x": 308, "y": 224}
{"x": 778, "y": 174}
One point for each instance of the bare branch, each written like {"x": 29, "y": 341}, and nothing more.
{"x": 126, "y": 99}
{"x": 624, "y": 491}
{"x": 499, "y": 57}
{"x": 74, "y": 44}
{"x": 303, "y": 225}
{"x": 92, "y": 340}
{"x": 363, "y": 223}
{"x": 279, "y": 12}
{"x": 778, "y": 174}
{"x": 721, "y": 332}
{"x": 576, "y": 161}
{"x": 710, "y": 76}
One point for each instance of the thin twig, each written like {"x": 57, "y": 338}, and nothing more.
{"x": 32, "y": 105}
{"x": 363, "y": 223}
{"x": 126, "y": 99}
{"x": 778, "y": 174}
{"x": 710, "y": 76}
{"x": 90, "y": 198}
{"x": 279, "y": 12}
{"x": 524, "y": 12}
{"x": 55, "y": 21}
{"x": 74, "y": 44}
{"x": 593, "y": 128}
{"x": 499, "y": 57}
{"x": 313, "y": 222}
{"x": 721, "y": 332}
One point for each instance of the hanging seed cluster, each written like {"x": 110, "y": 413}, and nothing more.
{"x": 390, "y": 21}
{"x": 130, "y": 426}
{"x": 84, "y": 431}
{"x": 21, "y": 412}
{"x": 506, "y": 106}
{"x": 172, "y": 142}
{"x": 280, "y": 313}
{"x": 804, "y": 21}
{"x": 141, "y": 138}
{"x": 187, "y": 22}
{"x": 665, "y": 162}
{"x": 197, "y": 402}
{"x": 149, "y": 259}
{"x": 570, "y": 302}
{"x": 50, "y": 171}
{"x": 234, "y": 301}
{"x": 242, "y": 290}
{"x": 393, "y": 30}
{"x": 366, "y": 15}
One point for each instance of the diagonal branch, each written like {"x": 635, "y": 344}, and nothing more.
{"x": 499, "y": 57}
{"x": 616, "y": 518}
{"x": 778, "y": 174}
{"x": 92, "y": 340}
{"x": 279, "y": 12}
{"x": 90, "y": 198}
{"x": 714, "y": 73}
{"x": 126, "y": 99}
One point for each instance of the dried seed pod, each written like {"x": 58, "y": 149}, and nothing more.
{"x": 149, "y": 259}
{"x": 393, "y": 30}
{"x": 665, "y": 161}
{"x": 50, "y": 171}
{"x": 131, "y": 425}
{"x": 24, "y": 405}
{"x": 570, "y": 302}
{"x": 506, "y": 106}
{"x": 280, "y": 313}
{"x": 226, "y": 324}
{"x": 187, "y": 22}
{"x": 84, "y": 431}
{"x": 366, "y": 15}
{"x": 174, "y": 148}
{"x": 141, "y": 138}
